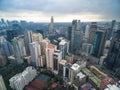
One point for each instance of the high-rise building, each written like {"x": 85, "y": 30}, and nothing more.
{"x": 19, "y": 48}
{"x": 28, "y": 39}
{"x": 11, "y": 34}
{"x": 111, "y": 29}
{"x": 69, "y": 33}
{"x": 99, "y": 42}
{"x": 87, "y": 48}
{"x": 75, "y": 69}
{"x": 93, "y": 29}
{"x": 57, "y": 56}
{"x": 2, "y": 84}
{"x": 49, "y": 56}
{"x": 66, "y": 71}
{"x": 76, "y": 36}
{"x": 64, "y": 47}
{"x": 35, "y": 52}
{"x": 44, "y": 44}
{"x": 51, "y": 27}
{"x": 62, "y": 64}
{"x": 113, "y": 57}
{"x": 87, "y": 31}
{"x": 37, "y": 37}
{"x": 6, "y": 47}
{"x": 20, "y": 80}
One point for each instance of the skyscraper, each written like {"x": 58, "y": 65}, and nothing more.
{"x": 19, "y": 49}
{"x": 93, "y": 29}
{"x": 64, "y": 47}
{"x": 37, "y": 37}
{"x": 99, "y": 42}
{"x": 57, "y": 56}
{"x": 28, "y": 39}
{"x": 49, "y": 56}
{"x": 35, "y": 52}
{"x": 87, "y": 31}
{"x": 76, "y": 36}
{"x": 51, "y": 27}
{"x": 113, "y": 57}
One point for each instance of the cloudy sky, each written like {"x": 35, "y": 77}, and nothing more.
{"x": 62, "y": 10}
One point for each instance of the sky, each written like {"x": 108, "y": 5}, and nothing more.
{"x": 61, "y": 10}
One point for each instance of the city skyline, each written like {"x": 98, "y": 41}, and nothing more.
{"x": 63, "y": 11}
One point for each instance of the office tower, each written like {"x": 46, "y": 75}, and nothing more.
{"x": 37, "y": 37}
{"x": 111, "y": 29}
{"x": 76, "y": 37}
{"x": 87, "y": 31}
{"x": 66, "y": 71}
{"x": 99, "y": 42}
{"x": 28, "y": 39}
{"x": 93, "y": 29}
{"x": 19, "y": 48}
{"x": 64, "y": 47}
{"x": 35, "y": 52}
{"x": 6, "y": 47}
{"x": 57, "y": 57}
{"x": 62, "y": 64}
{"x": 51, "y": 27}
{"x": 11, "y": 34}
{"x": 49, "y": 56}
{"x": 75, "y": 69}
{"x": 113, "y": 57}
{"x": 87, "y": 48}
{"x": 2, "y": 84}
{"x": 69, "y": 33}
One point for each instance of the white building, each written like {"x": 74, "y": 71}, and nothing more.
{"x": 19, "y": 81}
{"x": 87, "y": 31}
{"x": 75, "y": 69}
{"x": 64, "y": 47}
{"x": 35, "y": 52}
{"x": 2, "y": 84}
{"x": 57, "y": 57}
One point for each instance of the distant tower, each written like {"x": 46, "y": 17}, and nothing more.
{"x": 92, "y": 31}
{"x": 76, "y": 36}
{"x": 51, "y": 27}
{"x": 87, "y": 30}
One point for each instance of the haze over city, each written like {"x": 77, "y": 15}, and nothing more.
{"x": 62, "y": 10}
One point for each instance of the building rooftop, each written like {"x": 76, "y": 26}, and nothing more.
{"x": 80, "y": 75}
{"x": 108, "y": 81}
{"x": 92, "y": 76}
{"x": 63, "y": 42}
{"x": 112, "y": 87}
{"x": 63, "y": 62}
{"x": 51, "y": 46}
{"x": 75, "y": 66}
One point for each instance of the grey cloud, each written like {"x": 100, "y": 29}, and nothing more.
{"x": 105, "y": 7}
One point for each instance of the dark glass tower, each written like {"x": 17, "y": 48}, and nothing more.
{"x": 113, "y": 58}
